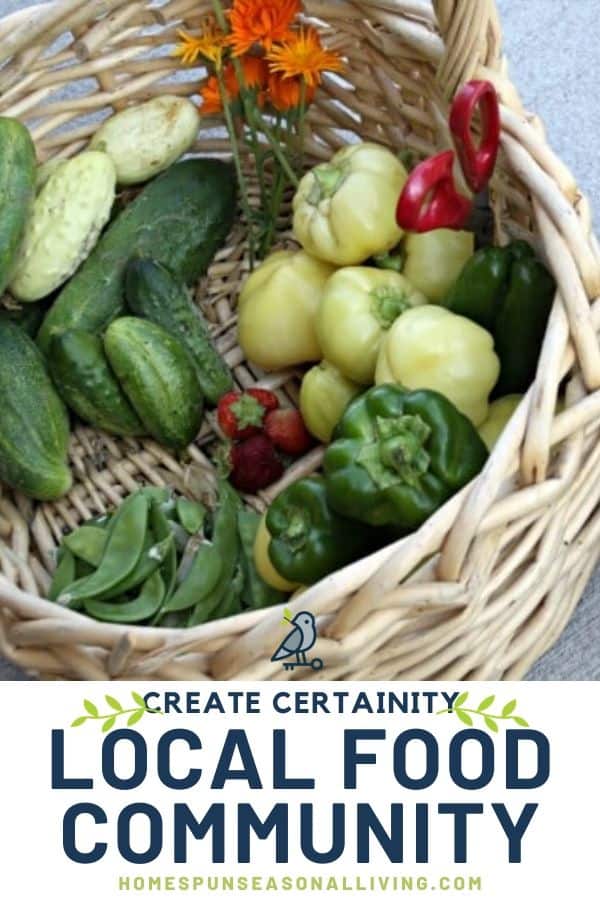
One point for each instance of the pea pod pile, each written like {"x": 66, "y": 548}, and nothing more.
{"x": 163, "y": 560}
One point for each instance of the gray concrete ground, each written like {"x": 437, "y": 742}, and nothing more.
{"x": 554, "y": 53}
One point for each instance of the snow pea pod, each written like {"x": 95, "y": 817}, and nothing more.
{"x": 191, "y": 515}
{"x": 151, "y": 559}
{"x": 143, "y": 607}
{"x": 123, "y": 549}
{"x": 64, "y": 575}
{"x": 200, "y": 582}
{"x": 232, "y": 601}
{"x": 161, "y": 527}
{"x": 226, "y": 543}
{"x": 87, "y": 543}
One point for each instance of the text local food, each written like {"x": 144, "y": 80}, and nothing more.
{"x": 410, "y": 761}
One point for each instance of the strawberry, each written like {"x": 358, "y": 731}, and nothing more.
{"x": 254, "y": 464}
{"x": 286, "y": 428}
{"x": 240, "y": 415}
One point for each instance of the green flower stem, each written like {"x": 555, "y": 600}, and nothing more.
{"x": 238, "y": 164}
{"x": 259, "y": 120}
{"x": 302, "y": 125}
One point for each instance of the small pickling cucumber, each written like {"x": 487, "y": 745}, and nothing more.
{"x": 181, "y": 219}
{"x": 86, "y": 382}
{"x": 68, "y": 215}
{"x": 34, "y": 424}
{"x": 17, "y": 191}
{"x": 158, "y": 376}
{"x": 153, "y": 293}
{"x": 146, "y": 139}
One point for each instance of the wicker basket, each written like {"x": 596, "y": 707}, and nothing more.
{"x": 489, "y": 582}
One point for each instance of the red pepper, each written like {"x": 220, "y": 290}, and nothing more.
{"x": 477, "y": 160}
{"x": 430, "y": 199}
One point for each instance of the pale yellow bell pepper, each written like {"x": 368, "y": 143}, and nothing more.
{"x": 430, "y": 347}
{"x": 277, "y": 310}
{"x": 324, "y": 396}
{"x": 499, "y": 413}
{"x": 434, "y": 260}
{"x": 359, "y": 305}
{"x": 345, "y": 210}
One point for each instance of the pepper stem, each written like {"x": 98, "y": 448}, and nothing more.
{"x": 297, "y": 531}
{"x": 398, "y": 454}
{"x": 328, "y": 180}
{"x": 403, "y": 447}
{"x": 388, "y": 304}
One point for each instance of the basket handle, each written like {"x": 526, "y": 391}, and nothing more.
{"x": 472, "y": 38}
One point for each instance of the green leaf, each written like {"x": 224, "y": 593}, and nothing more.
{"x": 509, "y": 708}
{"x": 485, "y": 704}
{"x": 139, "y": 699}
{"x": 89, "y": 706}
{"x": 114, "y": 703}
{"x": 463, "y": 716}
{"x": 461, "y": 700}
{"x": 491, "y": 723}
{"x": 520, "y": 721}
{"x": 109, "y": 724}
{"x": 79, "y": 721}
{"x": 287, "y": 615}
{"x": 135, "y": 718}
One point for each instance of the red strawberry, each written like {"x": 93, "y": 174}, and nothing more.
{"x": 241, "y": 415}
{"x": 254, "y": 465}
{"x": 288, "y": 432}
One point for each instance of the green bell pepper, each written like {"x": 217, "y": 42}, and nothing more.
{"x": 308, "y": 539}
{"x": 510, "y": 293}
{"x": 398, "y": 455}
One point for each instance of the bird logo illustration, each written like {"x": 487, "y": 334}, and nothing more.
{"x": 298, "y": 641}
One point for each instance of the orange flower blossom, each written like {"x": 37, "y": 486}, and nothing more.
{"x": 286, "y": 93}
{"x": 255, "y": 73}
{"x": 210, "y": 44}
{"x": 260, "y": 22}
{"x": 303, "y": 55}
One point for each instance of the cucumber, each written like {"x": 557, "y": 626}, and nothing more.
{"x": 84, "y": 379}
{"x": 17, "y": 191}
{"x": 153, "y": 293}
{"x": 181, "y": 218}
{"x": 159, "y": 378}
{"x": 34, "y": 424}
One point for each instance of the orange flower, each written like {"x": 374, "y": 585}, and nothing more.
{"x": 210, "y": 44}
{"x": 286, "y": 93}
{"x": 303, "y": 55}
{"x": 260, "y": 22}
{"x": 255, "y": 76}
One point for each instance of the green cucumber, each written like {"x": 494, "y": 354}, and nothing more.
{"x": 17, "y": 191}
{"x": 34, "y": 424}
{"x": 181, "y": 218}
{"x": 159, "y": 379}
{"x": 153, "y": 293}
{"x": 86, "y": 382}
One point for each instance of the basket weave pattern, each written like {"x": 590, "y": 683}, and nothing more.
{"x": 490, "y": 581}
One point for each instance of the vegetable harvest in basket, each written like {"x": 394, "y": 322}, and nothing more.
{"x": 398, "y": 331}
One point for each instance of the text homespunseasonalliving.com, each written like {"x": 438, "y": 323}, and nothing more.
{"x": 222, "y": 884}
